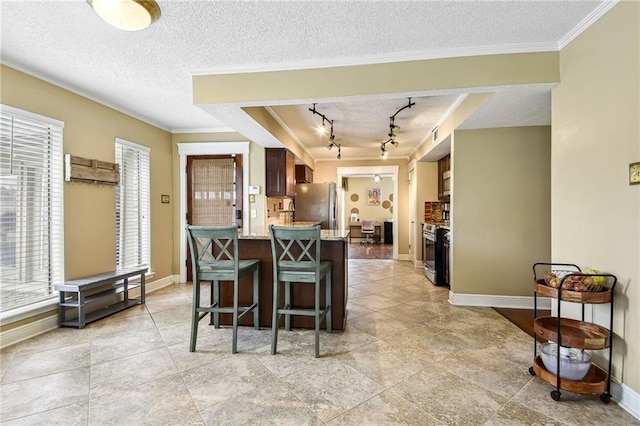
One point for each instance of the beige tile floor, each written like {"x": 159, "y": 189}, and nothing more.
{"x": 406, "y": 357}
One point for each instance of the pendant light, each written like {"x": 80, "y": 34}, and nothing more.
{"x": 128, "y": 15}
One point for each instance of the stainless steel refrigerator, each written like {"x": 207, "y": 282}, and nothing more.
{"x": 316, "y": 202}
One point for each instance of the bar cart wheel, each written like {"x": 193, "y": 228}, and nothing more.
{"x": 555, "y": 395}
{"x": 605, "y": 398}
{"x": 532, "y": 371}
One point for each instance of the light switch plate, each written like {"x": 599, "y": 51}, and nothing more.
{"x": 255, "y": 190}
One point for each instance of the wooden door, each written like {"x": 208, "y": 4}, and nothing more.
{"x": 214, "y": 193}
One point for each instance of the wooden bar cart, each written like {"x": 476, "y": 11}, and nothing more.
{"x": 572, "y": 333}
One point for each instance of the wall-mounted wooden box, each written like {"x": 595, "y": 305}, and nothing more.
{"x": 92, "y": 171}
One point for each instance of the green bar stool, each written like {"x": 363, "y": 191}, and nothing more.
{"x": 214, "y": 257}
{"x": 296, "y": 259}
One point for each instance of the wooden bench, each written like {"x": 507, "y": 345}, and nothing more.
{"x": 96, "y": 289}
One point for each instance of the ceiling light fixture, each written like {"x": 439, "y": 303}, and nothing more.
{"x": 377, "y": 178}
{"x": 128, "y": 15}
{"x": 332, "y": 137}
{"x": 393, "y": 128}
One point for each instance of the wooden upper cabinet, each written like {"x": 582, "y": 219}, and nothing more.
{"x": 304, "y": 174}
{"x": 280, "y": 173}
{"x": 444, "y": 179}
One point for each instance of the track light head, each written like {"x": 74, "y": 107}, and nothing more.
{"x": 322, "y": 129}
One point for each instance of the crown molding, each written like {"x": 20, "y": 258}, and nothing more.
{"x": 84, "y": 94}
{"x": 205, "y": 130}
{"x": 596, "y": 14}
{"x": 287, "y": 129}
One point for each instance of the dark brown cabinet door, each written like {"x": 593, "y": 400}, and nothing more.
{"x": 304, "y": 174}
{"x": 444, "y": 167}
{"x": 280, "y": 173}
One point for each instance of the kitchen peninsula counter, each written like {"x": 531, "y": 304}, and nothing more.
{"x": 333, "y": 247}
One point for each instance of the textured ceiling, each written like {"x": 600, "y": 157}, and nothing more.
{"x": 148, "y": 73}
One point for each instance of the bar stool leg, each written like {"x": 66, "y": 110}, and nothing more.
{"x": 275, "y": 317}
{"x": 256, "y": 310}
{"x": 234, "y": 344}
{"x": 327, "y": 281}
{"x": 195, "y": 315}
{"x": 215, "y": 301}
{"x": 287, "y": 305}
{"x": 317, "y": 317}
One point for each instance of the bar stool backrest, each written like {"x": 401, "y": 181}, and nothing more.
{"x": 213, "y": 249}
{"x": 296, "y": 248}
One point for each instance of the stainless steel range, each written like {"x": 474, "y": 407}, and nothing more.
{"x": 429, "y": 251}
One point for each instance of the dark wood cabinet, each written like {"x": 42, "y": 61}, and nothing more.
{"x": 280, "y": 173}
{"x": 388, "y": 232}
{"x": 444, "y": 178}
{"x": 304, "y": 174}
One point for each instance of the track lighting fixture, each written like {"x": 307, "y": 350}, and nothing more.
{"x": 393, "y": 128}
{"x": 332, "y": 137}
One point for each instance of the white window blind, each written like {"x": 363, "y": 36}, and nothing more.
{"x": 133, "y": 197}
{"x": 31, "y": 208}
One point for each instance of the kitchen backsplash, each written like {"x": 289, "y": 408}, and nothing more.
{"x": 433, "y": 211}
{"x": 279, "y": 210}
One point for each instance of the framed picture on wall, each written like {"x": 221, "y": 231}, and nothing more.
{"x": 374, "y": 196}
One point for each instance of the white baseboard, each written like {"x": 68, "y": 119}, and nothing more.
{"x": 34, "y": 328}
{"x": 515, "y": 302}
{"x": 29, "y": 330}
{"x": 626, "y": 398}
{"x": 403, "y": 257}
{"x": 153, "y": 286}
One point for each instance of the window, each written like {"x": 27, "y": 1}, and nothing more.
{"x": 133, "y": 221}
{"x": 31, "y": 208}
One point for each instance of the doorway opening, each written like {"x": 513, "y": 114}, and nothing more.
{"x": 369, "y": 193}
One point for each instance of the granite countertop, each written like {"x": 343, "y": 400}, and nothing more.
{"x": 325, "y": 234}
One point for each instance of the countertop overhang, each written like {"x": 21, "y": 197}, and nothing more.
{"x": 325, "y": 234}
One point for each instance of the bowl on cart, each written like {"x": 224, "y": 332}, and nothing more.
{"x": 574, "y": 363}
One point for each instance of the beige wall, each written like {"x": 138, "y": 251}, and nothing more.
{"x": 89, "y": 210}
{"x": 466, "y": 109}
{"x": 359, "y": 80}
{"x": 595, "y": 212}
{"x": 426, "y": 190}
{"x": 500, "y": 209}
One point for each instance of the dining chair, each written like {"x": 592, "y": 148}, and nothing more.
{"x": 368, "y": 229}
{"x": 214, "y": 257}
{"x": 296, "y": 259}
